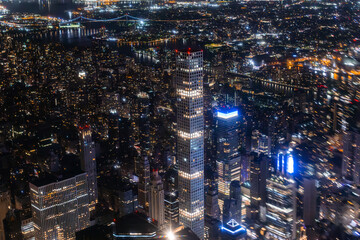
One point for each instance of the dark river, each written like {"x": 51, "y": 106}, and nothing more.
{"x": 55, "y": 8}
{"x": 82, "y": 37}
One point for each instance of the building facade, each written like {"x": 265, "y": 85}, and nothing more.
{"x": 171, "y": 209}
{"x": 211, "y": 203}
{"x": 143, "y": 172}
{"x": 281, "y": 200}
{"x": 60, "y": 207}
{"x": 190, "y": 139}
{"x": 228, "y": 157}
{"x": 88, "y": 164}
{"x": 156, "y": 208}
{"x": 351, "y": 156}
{"x": 233, "y": 205}
{"x": 5, "y": 203}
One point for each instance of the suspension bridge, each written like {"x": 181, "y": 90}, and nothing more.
{"x": 125, "y": 17}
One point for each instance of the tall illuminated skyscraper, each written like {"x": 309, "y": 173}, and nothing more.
{"x": 281, "y": 200}
{"x": 88, "y": 164}
{"x": 228, "y": 157}
{"x": 190, "y": 139}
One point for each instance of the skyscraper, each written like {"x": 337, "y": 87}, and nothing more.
{"x": 143, "y": 112}
{"x": 281, "y": 200}
{"x": 88, "y": 164}
{"x": 351, "y": 156}
{"x": 259, "y": 168}
{"x": 143, "y": 172}
{"x": 171, "y": 209}
{"x": 190, "y": 139}
{"x": 232, "y": 205}
{"x": 260, "y": 143}
{"x": 142, "y": 166}
{"x": 211, "y": 203}
{"x": 60, "y": 206}
{"x": 156, "y": 207}
{"x": 281, "y": 208}
{"x": 228, "y": 157}
{"x": 310, "y": 202}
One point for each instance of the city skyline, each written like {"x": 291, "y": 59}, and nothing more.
{"x": 204, "y": 120}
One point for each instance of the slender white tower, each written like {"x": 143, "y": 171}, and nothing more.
{"x": 190, "y": 139}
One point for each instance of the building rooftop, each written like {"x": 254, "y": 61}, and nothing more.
{"x": 189, "y": 50}
{"x": 55, "y": 177}
{"x": 226, "y": 113}
{"x": 132, "y": 225}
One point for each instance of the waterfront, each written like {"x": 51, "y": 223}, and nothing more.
{"x": 56, "y": 9}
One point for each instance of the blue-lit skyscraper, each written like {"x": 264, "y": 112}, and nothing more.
{"x": 281, "y": 200}
{"x": 285, "y": 163}
{"x": 190, "y": 139}
{"x": 227, "y": 157}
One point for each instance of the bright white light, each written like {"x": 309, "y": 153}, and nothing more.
{"x": 82, "y": 74}
{"x": 290, "y": 164}
{"x": 233, "y": 223}
{"x": 227, "y": 115}
{"x": 349, "y": 64}
{"x": 170, "y": 235}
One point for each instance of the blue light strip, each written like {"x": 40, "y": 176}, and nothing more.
{"x": 227, "y": 115}
{"x": 233, "y": 232}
